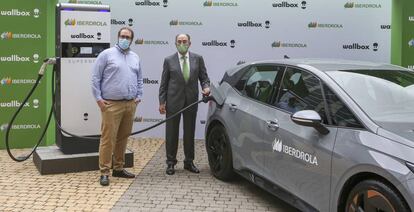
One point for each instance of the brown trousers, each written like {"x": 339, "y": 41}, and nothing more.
{"x": 117, "y": 120}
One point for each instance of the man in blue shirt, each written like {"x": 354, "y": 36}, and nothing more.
{"x": 117, "y": 87}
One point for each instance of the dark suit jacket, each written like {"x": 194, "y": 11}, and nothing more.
{"x": 174, "y": 91}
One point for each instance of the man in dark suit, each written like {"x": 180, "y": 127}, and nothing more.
{"x": 178, "y": 89}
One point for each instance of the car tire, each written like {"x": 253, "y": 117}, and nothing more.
{"x": 374, "y": 195}
{"x": 219, "y": 153}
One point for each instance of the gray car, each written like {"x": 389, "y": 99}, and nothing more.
{"x": 323, "y": 135}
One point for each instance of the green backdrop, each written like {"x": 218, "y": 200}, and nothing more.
{"x": 403, "y": 33}
{"x": 23, "y": 36}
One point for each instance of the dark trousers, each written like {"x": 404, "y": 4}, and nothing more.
{"x": 172, "y": 133}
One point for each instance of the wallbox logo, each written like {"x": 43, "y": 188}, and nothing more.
{"x": 9, "y": 81}
{"x": 411, "y": 18}
{"x": 185, "y": 23}
{"x": 35, "y": 58}
{"x": 385, "y": 26}
{"x": 357, "y": 46}
{"x": 10, "y": 35}
{"x": 17, "y": 58}
{"x": 279, "y": 44}
{"x": 35, "y": 103}
{"x": 130, "y": 22}
{"x": 4, "y": 126}
{"x": 141, "y": 41}
{"x": 410, "y": 67}
{"x": 151, "y": 3}
{"x": 82, "y": 36}
{"x": 319, "y": 25}
{"x": 219, "y": 4}
{"x": 350, "y": 5}
{"x": 84, "y": 2}
{"x": 13, "y": 103}
{"x": 411, "y": 43}
{"x": 36, "y": 13}
{"x": 215, "y": 43}
{"x": 149, "y": 81}
{"x": 278, "y": 146}
{"x": 15, "y": 12}
{"x": 285, "y": 4}
{"x": 254, "y": 24}
{"x": 73, "y": 22}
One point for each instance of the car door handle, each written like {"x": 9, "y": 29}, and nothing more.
{"x": 232, "y": 107}
{"x": 272, "y": 125}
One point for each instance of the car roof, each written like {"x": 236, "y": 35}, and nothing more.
{"x": 325, "y": 64}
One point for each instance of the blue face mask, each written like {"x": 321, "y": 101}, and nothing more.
{"x": 123, "y": 43}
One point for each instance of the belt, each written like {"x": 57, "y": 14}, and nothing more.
{"x": 119, "y": 100}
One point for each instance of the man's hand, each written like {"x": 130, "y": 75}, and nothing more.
{"x": 162, "y": 108}
{"x": 206, "y": 91}
{"x": 137, "y": 101}
{"x": 102, "y": 104}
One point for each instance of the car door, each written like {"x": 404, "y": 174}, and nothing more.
{"x": 248, "y": 111}
{"x": 298, "y": 158}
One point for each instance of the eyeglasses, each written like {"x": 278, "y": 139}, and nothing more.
{"x": 125, "y": 37}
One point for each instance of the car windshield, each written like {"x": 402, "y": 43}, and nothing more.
{"x": 385, "y": 95}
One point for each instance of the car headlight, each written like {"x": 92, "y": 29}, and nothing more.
{"x": 410, "y": 166}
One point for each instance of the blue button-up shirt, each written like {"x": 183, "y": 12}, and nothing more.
{"x": 117, "y": 75}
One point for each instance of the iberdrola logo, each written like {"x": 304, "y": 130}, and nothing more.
{"x": 6, "y": 81}
{"x": 312, "y": 24}
{"x": 6, "y": 35}
{"x": 277, "y": 145}
{"x": 276, "y": 44}
{"x": 174, "y": 23}
{"x": 208, "y": 3}
{"x": 349, "y": 5}
{"x": 139, "y": 41}
{"x": 70, "y": 22}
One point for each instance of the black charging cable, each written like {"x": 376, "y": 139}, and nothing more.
{"x": 205, "y": 99}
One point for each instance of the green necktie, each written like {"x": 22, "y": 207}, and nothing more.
{"x": 186, "y": 72}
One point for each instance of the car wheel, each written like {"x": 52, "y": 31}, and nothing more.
{"x": 373, "y": 195}
{"x": 219, "y": 153}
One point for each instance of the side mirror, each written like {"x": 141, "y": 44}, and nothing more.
{"x": 310, "y": 118}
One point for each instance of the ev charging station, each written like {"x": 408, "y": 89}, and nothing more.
{"x": 82, "y": 32}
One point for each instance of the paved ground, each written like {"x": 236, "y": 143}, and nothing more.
{"x": 22, "y": 188}
{"x": 153, "y": 190}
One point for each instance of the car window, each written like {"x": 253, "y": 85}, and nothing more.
{"x": 301, "y": 90}
{"x": 339, "y": 112}
{"x": 259, "y": 82}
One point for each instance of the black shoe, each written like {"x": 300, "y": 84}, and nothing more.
{"x": 190, "y": 167}
{"x": 170, "y": 169}
{"x": 122, "y": 173}
{"x": 104, "y": 181}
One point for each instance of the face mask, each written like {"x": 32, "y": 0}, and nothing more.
{"x": 123, "y": 43}
{"x": 182, "y": 48}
